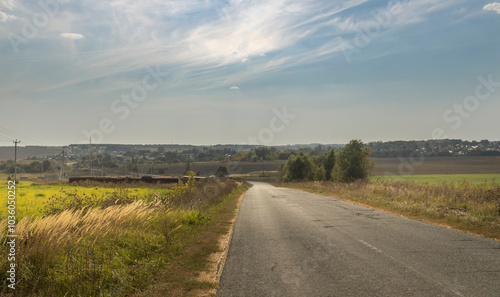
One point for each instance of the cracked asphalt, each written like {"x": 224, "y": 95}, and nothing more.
{"x": 291, "y": 243}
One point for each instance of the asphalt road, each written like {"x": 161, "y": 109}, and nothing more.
{"x": 291, "y": 243}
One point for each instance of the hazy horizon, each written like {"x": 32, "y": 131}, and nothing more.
{"x": 235, "y": 144}
{"x": 248, "y": 72}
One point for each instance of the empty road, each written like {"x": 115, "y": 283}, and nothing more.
{"x": 292, "y": 243}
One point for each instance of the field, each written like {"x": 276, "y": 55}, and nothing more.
{"x": 104, "y": 240}
{"x": 208, "y": 168}
{"x": 437, "y": 165}
{"x": 32, "y": 197}
{"x": 475, "y": 179}
{"x": 383, "y": 166}
{"x": 7, "y": 152}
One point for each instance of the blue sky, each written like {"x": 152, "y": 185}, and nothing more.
{"x": 207, "y": 71}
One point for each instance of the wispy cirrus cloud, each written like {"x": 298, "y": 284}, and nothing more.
{"x": 203, "y": 42}
{"x": 91, "y": 52}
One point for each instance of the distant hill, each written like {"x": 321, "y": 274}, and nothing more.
{"x": 25, "y": 152}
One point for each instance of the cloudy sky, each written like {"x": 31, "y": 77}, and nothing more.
{"x": 235, "y": 71}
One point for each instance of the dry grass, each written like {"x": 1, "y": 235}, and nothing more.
{"x": 51, "y": 249}
{"x": 194, "y": 273}
{"x": 108, "y": 250}
{"x": 463, "y": 206}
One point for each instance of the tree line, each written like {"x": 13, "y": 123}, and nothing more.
{"x": 351, "y": 163}
{"x": 32, "y": 167}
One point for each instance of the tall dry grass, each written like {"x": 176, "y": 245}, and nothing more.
{"x": 105, "y": 249}
{"x": 67, "y": 251}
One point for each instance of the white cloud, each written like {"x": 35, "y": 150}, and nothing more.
{"x": 495, "y": 6}
{"x": 6, "y": 17}
{"x": 71, "y": 36}
{"x": 234, "y": 88}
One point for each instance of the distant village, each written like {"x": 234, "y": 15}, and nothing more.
{"x": 90, "y": 159}
{"x": 181, "y": 153}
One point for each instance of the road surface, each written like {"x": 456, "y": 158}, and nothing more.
{"x": 292, "y": 243}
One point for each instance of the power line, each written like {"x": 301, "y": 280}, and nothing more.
{"x": 28, "y": 140}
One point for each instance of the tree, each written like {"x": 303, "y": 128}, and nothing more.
{"x": 298, "y": 167}
{"x": 221, "y": 171}
{"x": 262, "y": 152}
{"x": 318, "y": 169}
{"x": 329, "y": 163}
{"x": 283, "y": 155}
{"x": 352, "y": 163}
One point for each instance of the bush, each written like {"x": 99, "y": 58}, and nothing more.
{"x": 303, "y": 167}
{"x": 221, "y": 171}
{"x": 299, "y": 167}
{"x": 352, "y": 163}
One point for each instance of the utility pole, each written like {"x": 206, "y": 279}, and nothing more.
{"x": 62, "y": 167}
{"x": 15, "y": 160}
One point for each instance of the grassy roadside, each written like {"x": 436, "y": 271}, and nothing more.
{"x": 116, "y": 248}
{"x": 461, "y": 206}
{"x": 183, "y": 276}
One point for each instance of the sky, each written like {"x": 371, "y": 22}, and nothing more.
{"x": 248, "y": 72}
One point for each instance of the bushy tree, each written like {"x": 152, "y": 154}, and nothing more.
{"x": 46, "y": 165}
{"x": 298, "y": 167}
{"x": 352, "y": 163}
{"x": 263, "y": 153}
{"x": 318, "y": 170}
{"x": 303, "y": 167}
{"x": 328, "y": 163}
{"x": 221, "y": 171}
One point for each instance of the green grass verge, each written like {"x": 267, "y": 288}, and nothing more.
{"x": 475, "y": 179}
{"x": 179, "y": 278}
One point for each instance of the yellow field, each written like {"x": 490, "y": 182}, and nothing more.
{"x": 31, "y": 197}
